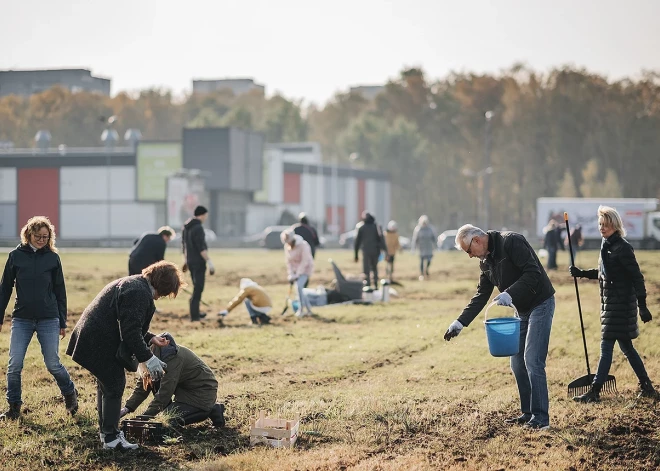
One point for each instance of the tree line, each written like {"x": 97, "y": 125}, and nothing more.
{"x": 567, "y": 132}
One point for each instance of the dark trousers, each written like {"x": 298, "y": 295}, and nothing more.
{"x": 605, "y": 362}
{"x": 108, "y": 404}
{"x": 185, "y": 414}
{"x": 133, "y": 269}
{"x": 369, "y": 266}
{"x": 198, "y": 275}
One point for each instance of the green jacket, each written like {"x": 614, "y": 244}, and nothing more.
{"x": 187, "y": 378}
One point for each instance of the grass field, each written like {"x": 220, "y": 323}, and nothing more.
{"x": 376, "y": 387}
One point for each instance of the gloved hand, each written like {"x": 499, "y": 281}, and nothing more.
{"x": 576, "y": 272}
{"x": 292, "y": 278}
{"x": 156, "y": 368}
{"x": 184, "y": 267}
{"x": 503, "y": 299}
{"x": 453, "y": 330}
{"x": 123, "y": 412}
{"x": 211, "y": 267}
{"x": 645, "y": 314}
{"x": 223, "y": 313}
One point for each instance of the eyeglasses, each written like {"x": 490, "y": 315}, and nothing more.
{"x": 469, "y": 247}
{"x": 40, "y": 237}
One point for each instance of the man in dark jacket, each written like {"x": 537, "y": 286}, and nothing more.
{"x": 196, "y": 256}
{"x": 149, "y": 249}
{"x": 188, "y": 379}
{"x": 307, "y": 232}
{"x": 510, "y": 263}
{"x": 369, "y": 237}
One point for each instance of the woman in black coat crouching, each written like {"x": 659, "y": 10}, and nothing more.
{"x": 121, "y": 311}
{"x": 622, "y": 292}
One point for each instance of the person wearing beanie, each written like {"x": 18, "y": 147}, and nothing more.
{"x": 189, "y": 381}
{"x": 256, "y": 300}
{"x": 195, "y": 252}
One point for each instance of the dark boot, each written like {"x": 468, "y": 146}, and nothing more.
{"x": 217, "y": 415}
{"x": 593, "y": 395}
{"x": 264, "y": 319}
{"x": 253, "y": 319}
{"x": 14, "y": 412}
{"x": 71, "y": 402}
{"x": 646, "y": 389}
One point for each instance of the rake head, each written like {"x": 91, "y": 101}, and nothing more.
{"x": 582, "y": 386}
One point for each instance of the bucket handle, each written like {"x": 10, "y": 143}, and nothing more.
{"x": 494, "y": 303}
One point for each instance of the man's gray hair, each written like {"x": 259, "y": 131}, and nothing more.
{"x": 466, "y": 233}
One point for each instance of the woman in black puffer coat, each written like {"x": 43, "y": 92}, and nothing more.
{"x": 622, "y": 292}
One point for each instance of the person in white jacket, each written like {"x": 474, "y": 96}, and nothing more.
{"x": 300, "y": 265}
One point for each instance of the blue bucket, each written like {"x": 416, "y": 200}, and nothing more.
{"x": 503, "y": 334}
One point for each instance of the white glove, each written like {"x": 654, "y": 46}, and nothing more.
{"x": 503, "y": 299}
{"x": 123, "y": 412}
{"x": 156, "y": 368}
{"x": 223, "y": 313}
{"x": 453, "y": 330}
{"x": 292, "y": 278}
{"x": 211, "y": 267}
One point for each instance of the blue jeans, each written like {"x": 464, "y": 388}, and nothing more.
{"x": 528, "y": 365}
{"x": 626, "y": 345}
{"x": 304, "y": 302}
{"x": 48, "y": 332}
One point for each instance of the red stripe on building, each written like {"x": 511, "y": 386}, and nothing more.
{"x": 362, "y": 199}
{"x": 39, "y": 195}
{"x": 292, "y": 188}
{"x": 329, "y": 211}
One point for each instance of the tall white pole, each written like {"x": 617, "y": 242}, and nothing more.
{"x": 335, "y": 198}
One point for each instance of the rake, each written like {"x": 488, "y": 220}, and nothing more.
{"x": 582, "y": 385}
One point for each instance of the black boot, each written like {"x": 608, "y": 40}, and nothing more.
{"x": 71, "y": 402}
{"x": 264, "y": 319}
{"x": 14, "y": 412}
{"x": 217, "y": 415}
{"x": 646, "y": 389}
{"x": 593, "y": 395}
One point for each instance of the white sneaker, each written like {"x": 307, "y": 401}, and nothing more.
{"x": 301, "y": 314}
{"x": 120, "y": 443}
{"x": 102, "y": 437}
{"x": 421, "y": 277}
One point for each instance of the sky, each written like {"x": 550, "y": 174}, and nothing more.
{"x": 310, "y": 50}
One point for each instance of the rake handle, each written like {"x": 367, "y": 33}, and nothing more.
{"x": 577, "y": 293}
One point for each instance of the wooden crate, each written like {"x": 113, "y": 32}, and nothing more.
{"x": 278, "y": 433}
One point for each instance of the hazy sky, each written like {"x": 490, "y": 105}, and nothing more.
{"x": 311, "y": 49}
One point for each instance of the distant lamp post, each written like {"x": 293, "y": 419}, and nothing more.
{"x": 489, "y": 117}
{"x": 109, "y": 137}
{"x": 480, "y": 188}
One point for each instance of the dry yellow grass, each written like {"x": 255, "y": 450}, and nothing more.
{"x": 376, "y": 387}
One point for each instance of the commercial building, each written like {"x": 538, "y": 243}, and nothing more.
{"x": 110, "y": 195}
{"x": 238, "y": 86}
{"x": 28, "y": 82}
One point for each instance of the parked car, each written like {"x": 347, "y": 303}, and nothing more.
{"x": 447, "y": 240}
{"x": 269, "y": 238}
{"x": 347, "y": 240}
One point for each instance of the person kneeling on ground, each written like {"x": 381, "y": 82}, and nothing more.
{"x": 256, "y": 300}
{"x": 188, "y": 379}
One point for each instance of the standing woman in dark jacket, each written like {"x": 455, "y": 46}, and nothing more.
{"x": 121, "y": 311}
{"x": 40, "y": 307}
{"x": 622, "y": 292}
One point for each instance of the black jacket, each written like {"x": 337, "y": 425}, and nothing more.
{"x": 40, "y": 290}
{"x": 621, "y": 285}
{"x": 193, "y": 241}
{"x": 308, "y": 233}
{"x": 369, "y": 237}
{"x": 95, "y": 338}
{"x": 149, "y": 249}
{"x": 512, "y": 266}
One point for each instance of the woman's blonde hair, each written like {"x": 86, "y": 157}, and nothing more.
{"x": 34, "y": 225}
{"x": 611, "y": 217}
